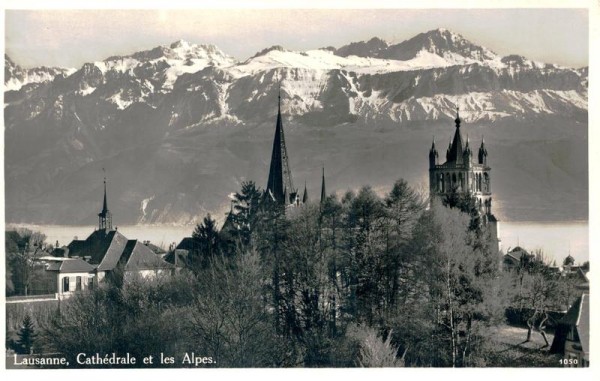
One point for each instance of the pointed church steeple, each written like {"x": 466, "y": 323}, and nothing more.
{"x": 229, "y": 223}
{"x": 305, "y": 195}
{"x": 280, "y": 177}
{"x": 323, "y": 192}
{"x": 433, "y": 155}
{"x": 105, "y": 217}
{"x": 467, "y": 154}
{"x": 455, "y": 153}
{"x": 482, "y": 156}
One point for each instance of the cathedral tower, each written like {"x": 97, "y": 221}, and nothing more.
{"x": 461, "y": 174}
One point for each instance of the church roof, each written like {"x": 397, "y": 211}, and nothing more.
{"x": 105, "y": 249}
{"x": 76, "y": 246}
{"x": 137, "y": 256}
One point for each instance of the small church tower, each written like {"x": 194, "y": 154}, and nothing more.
{"x": 460, "y": 174}
{"x": 279, "y": 185}
{"x": 105, "y": 217}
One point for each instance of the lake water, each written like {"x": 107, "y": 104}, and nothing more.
{"x": 556, "y": 239}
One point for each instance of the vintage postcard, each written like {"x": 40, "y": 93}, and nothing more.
{"x": 297, "y": 187}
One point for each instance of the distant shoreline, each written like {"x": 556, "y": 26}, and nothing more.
{"x": 556, "y": 239}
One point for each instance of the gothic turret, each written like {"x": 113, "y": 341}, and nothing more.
{"x": 455, "y": 152}
{"x": 467, "y": 154}
{"x": 279, "y": 185}
{"x": 482, "y": 156}
{"x": 105, "y": 217}
{"x": 305, "y": 195}
{"x": 433, "y": 155}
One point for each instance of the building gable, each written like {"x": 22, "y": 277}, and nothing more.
{"x": 137, "y": 256}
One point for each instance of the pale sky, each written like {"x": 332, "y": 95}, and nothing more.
{"x": 70, "y": 38}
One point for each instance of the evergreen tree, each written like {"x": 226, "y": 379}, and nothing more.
{"x": 27, "y": 336}
{"x": 207, "y": 243}
{"x": 247, "y": 205}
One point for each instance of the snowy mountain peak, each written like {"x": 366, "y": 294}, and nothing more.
{"x": 371, "y": 48}
{"x": 446, "y": 33}
{"x": 15, "y": 77}
{"x": 179, "y": 44}
{"x": 441, "y": 42}
{"x": 187, "y": 50}
{"x": 515, "y": 61}
{"x": 264, "y": 52}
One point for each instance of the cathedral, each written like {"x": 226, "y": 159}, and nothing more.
{"x": 461, "y": 174}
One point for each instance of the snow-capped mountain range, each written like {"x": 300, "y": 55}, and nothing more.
{"x": 16, "y": 77}
{"x": 153, "y": 107}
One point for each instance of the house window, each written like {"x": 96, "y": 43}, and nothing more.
{"x": 66, "y": 284}
{"x": 78, "y": 283}
{"x": 90, "y": 283}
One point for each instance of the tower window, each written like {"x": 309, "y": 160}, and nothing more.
{"x": 486, "y": 182}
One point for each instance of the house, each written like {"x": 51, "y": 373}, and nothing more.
{"x": 71, "y": 274}
{"x": 572, "y": 335}
{"x": 515, "y": 258}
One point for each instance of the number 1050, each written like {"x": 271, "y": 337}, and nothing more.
{"x": 568, "y": 361}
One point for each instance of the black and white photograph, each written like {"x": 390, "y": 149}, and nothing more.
{"x": 304, "y": 186}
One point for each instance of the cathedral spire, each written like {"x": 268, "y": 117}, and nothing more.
{"x": 305, "y": 195}
{"x": 280, "y": 177}
{"x": 104, "y": 217}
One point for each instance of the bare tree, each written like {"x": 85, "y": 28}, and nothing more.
{"x": 22, "y": 258}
